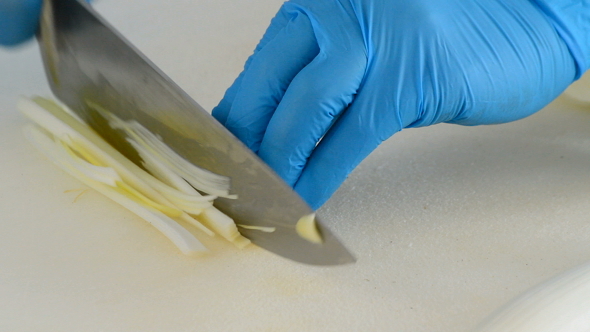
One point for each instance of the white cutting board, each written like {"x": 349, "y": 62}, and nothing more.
{"x": 448, "y": 223}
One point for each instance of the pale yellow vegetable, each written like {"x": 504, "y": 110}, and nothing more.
{"x": 184, "y": 240}
{"x": 60, "y": 124}
{"x": 69, "y": 129}
{"x": 241, "y": 242}
{"x": 172, "y": 169}
{"x": 108, "y": 176}
{"x": 192, "y": 202}
{"x": 307, "y": 228}
{"x": 258, "y": 228}
{"x": 153, "y": 146}
{"x": 164, "y": 196}
{"x": 223, "y": 225}
{"x": 101, "y": 174}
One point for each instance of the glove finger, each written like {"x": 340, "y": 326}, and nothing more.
{"x": 221, "y": 111}
{"x": 265, "y": 81}
{"x": 356, "y": 133}
{"x": 18, "y": 20}
{"x": 315, "y": 98}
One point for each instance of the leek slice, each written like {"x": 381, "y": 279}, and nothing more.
{"x": 307, "y": 228}
{"x": 199, "y": 178}
{"x": 209, "y": 215}
{"x": 153, "y": 146}
{"x": 108, "y": 176}
{"x": 183, "y": 239}
{"x": 241, "y": 242}
{"x": 55, "y": 120}
{"x": 173, "y": 171}
{"x": 101, "y": 174}
{"x": 187, "y": 199}
{"x": 223, "y": 225}
{"x": 169, "y": 211}
{"x": 162, "y": 172}
{"x": 192, "y": 204}
{"x": 165, "y": 192}
{"x": 51, "y": 117}
{"x": 264, "y": 229}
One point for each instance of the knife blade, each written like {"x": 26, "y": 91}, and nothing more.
{"x": 88, "y": 62}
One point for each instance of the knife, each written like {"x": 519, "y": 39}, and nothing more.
{"x": 88, "y": 62}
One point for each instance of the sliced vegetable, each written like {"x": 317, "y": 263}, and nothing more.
{"x": 61, "y": 124}
{"x": 162, "y": 198}
{"x": 184, "y": 240}
{"x": 172, "y": 169}
{"x": 259, "y": 228}
{"x": 101, "y": 174}
{"x": 223, "y": 225}
{"x": 162, "y": 172}
{"x": 132, "y": 193}
{"x": 152, "y": 145}
{"x": 307, "y": 228}
{"x": 241, "y": 242}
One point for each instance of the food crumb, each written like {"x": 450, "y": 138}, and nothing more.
{"x": 80, "y": 194}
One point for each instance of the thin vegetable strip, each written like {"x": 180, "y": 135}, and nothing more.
{"x": 184, "y": 240}
{"x": 161, "y": 198}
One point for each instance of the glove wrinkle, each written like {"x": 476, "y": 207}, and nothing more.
{"x": 221, "y": 111}
{"x": 571, "y": 19}
{"x": 270, "y": 73}
{"x": 384, "y": 65}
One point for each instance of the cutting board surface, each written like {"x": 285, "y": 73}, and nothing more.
{"x": 447, "y": 222}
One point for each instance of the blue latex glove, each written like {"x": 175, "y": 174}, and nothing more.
{"x": 354, "y": 72}
{"x": 18, "y": 20}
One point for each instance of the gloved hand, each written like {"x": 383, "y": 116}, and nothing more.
{"x": 331, "y": 79}
{"x": 18, "y": 20}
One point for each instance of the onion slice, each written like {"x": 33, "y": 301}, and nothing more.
{"x": 163, "y": 196}
{"x": 183, "y": 239}
{"x": 151, "y": 145}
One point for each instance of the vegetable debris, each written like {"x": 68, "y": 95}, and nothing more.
{"x": 265, "y": 229}
{"x": 164, "y": 195}
{"x": 307, "y": 228}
